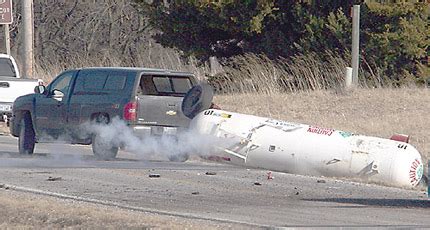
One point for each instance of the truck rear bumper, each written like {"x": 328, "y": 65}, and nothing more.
{"x": 145, "y": 131}
{"x": 5, "y": 112}
{"x": 5, "y": 108}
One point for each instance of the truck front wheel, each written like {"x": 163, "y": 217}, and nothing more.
{"x": 26, "y": 138}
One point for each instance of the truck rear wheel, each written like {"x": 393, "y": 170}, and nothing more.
{"x": 26, "y": 138}
{"x": 178, "y": 157}
{"x": 103, "y": 149}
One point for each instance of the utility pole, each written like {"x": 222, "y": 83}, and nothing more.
{"x": 355, "y": 43}
{"x": 7, "y": 38}
{"x": 28, "y": 38}
{"x": 6, "y": 19}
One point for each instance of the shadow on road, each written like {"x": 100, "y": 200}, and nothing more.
{"x": 9, "y": 154}
{"x": 58, "y": 157}
{"x": 402, "y": 203}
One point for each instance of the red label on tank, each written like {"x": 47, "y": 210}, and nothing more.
{"x": 319, "y": 130}
{"x": 415, "y": 172}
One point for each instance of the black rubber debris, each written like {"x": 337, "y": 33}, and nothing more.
{"x": 54, "y": 178}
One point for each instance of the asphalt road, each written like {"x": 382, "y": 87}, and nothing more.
{"x": 227, "y": 194}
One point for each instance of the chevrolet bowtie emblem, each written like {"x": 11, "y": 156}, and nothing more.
{"x": 171, "y": 113}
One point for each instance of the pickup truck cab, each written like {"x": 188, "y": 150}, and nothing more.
{"x": 11, "y": 85}
{"x": 148, "y": 100}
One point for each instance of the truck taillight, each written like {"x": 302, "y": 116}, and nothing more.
{"x": 130, "y": 111}
{"x": 214, "y": 106}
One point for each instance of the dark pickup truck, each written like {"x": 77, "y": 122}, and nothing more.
{"x": 148, "y": 100}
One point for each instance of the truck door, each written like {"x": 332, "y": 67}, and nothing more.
{"x": 51, "y": 107}
{"x": 159, "y": 99}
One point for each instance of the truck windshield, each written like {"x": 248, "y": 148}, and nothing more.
{"x": 6, "y": 68}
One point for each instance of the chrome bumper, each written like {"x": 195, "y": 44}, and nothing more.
{"x": 145, "y": 131}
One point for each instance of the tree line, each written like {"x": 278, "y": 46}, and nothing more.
{"x": 394, "y": 34}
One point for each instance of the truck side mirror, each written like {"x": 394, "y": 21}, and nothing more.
{"x": 39, "y": 89}
{"x": 57, "y": 95}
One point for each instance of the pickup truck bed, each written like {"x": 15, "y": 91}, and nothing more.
{"x": 11, "y": 85}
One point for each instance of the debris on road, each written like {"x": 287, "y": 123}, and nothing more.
{"x": 270, "y": 176}
{"x": 257, "y": 183}
{"x": 4, "y": 186}
{"x": 154, "y": 175}
{"x": 195, "y": 193}
{"x": 54, "y": 178}
{"x": 320, "y": 181}
{"x": 210, "y": 173}
{"x": 297, "y": 192}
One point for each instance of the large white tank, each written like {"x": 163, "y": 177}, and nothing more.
{"x": 310, "y": 150}
{"x": 298, "y": 148}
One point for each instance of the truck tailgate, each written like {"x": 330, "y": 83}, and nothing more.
{"x": 11, "y": 88}
{"x": 161, "y": 110}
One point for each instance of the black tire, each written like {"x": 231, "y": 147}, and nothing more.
{"x": 174, "y": 156}
{"x": 26, "y": 138}
{"x": 197, "y": 99}
{"x": 102, "y": 149}
{"x": 178, "y": 157}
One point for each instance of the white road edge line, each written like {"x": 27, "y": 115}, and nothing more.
{"x": 128, "y": 207}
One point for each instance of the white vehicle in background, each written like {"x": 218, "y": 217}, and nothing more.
{"x": 12, "y": 86}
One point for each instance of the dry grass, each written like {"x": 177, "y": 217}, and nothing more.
{"x": 26, "y": 211}
{"x": 252, "y": 73}
{"x": 375, "y": 112}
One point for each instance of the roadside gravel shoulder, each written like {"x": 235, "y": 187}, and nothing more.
{"x": 24, "y": 210}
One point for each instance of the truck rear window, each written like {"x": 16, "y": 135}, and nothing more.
{"x": 6, "y": 68}
{"x": 165, "y": 85}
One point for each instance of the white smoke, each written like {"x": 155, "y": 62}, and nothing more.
{"x": 118, "y": 133}
{"x": 59, "y": 153}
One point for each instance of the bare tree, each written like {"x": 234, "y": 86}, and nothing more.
{"x": 76, "y": 33}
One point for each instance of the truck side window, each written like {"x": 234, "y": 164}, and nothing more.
{"x": 115, "y": 82}
{"x": 62, "y": 83}
{"x": 95, "y": 81}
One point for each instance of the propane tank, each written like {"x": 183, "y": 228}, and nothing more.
{"x": 310, "y": 150}
{"x": 283, "y": 146}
